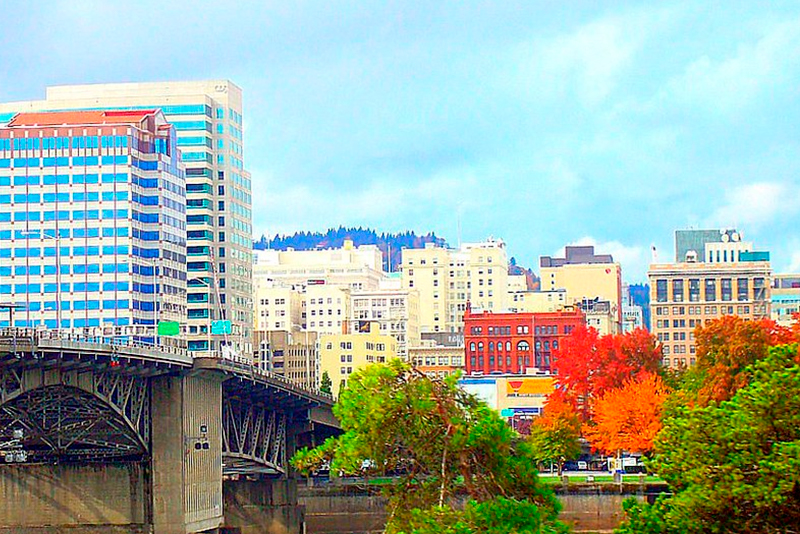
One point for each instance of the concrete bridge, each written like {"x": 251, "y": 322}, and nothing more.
{"x": 112, "y": 437}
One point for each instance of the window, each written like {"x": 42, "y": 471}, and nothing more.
{"x": 726, "y": 285}
{"x": 711, "y": 290}
{"x": 677, "y": 290}
{"x": 694, "y": 290}
{"x": 661, "y": 290}
{"x": 742, "y": 288}
{"x": 523, "y": 346}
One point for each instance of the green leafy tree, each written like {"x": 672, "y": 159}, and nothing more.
{"x": 734, "y": 466}
{"x": 325, "y": 384}
{"x": 555, "y": 436}
{"x": 446, "y": 444}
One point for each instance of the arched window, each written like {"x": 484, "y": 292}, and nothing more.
{"x": 508, "y": 345}
{"x": 491, "y": 346}
{"x": 472, "y": 346}
{"x": 480, "y": 346}
{"x": 555, "y": 344}
{"x": 523, "y": 346}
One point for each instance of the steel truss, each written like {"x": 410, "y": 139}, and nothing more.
{"x": 254, "y": 433}
{"x": 66, "y": 423}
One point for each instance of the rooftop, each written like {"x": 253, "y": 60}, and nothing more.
{"x": 63, "y": 118}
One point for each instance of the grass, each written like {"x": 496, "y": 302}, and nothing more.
{"x": 600, "y": 479}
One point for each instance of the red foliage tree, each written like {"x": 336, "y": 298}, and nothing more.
{"x": 587, "y": 365}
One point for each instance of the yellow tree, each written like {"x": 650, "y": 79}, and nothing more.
{"x": 628, "y": 418}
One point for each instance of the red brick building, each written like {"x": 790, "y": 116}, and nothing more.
{"x": 514, "y": 342}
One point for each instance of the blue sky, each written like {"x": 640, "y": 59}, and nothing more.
{"x": 543, "y": 123}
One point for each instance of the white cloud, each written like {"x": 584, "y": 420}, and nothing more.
{"x": 588, "y": 60}
{"x": 726, "y": 85}
{"x": 756, "y": 204}
{"x": 794, "y": 264}
{"x": 633, "y": 259}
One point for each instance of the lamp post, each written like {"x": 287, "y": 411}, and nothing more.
{"x": 208, "y": 325}
{"x": 57, "y": 241}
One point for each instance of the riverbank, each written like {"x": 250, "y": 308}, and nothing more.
{"x": 359, "y": 508}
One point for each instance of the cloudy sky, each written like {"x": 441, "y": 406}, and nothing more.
{"x": 543, "y": 123}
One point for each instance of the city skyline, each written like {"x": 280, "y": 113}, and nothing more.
{"x": 541, "y": 125}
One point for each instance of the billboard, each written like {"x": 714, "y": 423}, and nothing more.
{"x": 529, "y": 386}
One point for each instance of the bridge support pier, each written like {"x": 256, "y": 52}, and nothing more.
{"x": 266, "y": 506}
{"x": 187, "y": 453}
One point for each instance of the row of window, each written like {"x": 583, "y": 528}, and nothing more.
{"x": 62, "y": 215}
{"x": 78, "y": 196}
{"x": 53, "y": 179}
{"x": 121, "y": 231}
{"x": 725, "y": 285}
{"x": 36, "y": 252}
{"x": 64, "y": 161}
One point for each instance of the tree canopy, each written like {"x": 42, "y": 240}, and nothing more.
{"x": 444, "y": 443}
{"x": 588, "y": 364}
{"x": 730, "y": 443}
{"x": 555, "y": 435}
{"x": 629, "y": 417}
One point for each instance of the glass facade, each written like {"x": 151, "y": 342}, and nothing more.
{"x": 92, "y": 223}
{"x": 208, "y": 123}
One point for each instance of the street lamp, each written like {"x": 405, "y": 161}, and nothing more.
{"x": 57, "y": 240}
{"x": 208, "y": 325}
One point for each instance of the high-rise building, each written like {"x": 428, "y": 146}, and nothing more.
{"x": 449, "y": 279}
{"x": 395, "y": 310}
{"x": 92, "y": 221}
{"x": 207, "y": 116}
{"x": 691, "y": 293}
{"x": 588, "y": 279}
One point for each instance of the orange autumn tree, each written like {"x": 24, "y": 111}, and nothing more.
{"x": 726, "y": 347}
{"x": 628, "y": 418}
{"x": 587, "y": 364}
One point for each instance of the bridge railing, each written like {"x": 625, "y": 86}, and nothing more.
{"x": 247, "y": 366}
{"x": 123, "y": 344}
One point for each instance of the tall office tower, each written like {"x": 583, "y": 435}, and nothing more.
{"x": 449, "y": 279}
{"x": 207, "y": 116}
{"x": 92, "y": 221}
{"x": 734, "y": 280}
{"x": 592, "y": 281}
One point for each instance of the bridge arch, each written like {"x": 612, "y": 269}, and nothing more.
{"x": 75, "y": 417}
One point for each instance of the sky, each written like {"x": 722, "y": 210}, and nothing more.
{"x": 541, "y": 123}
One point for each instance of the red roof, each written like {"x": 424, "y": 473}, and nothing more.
{"x": 63, "y": 118}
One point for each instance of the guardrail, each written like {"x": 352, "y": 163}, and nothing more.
{"x": 235, "y": 362}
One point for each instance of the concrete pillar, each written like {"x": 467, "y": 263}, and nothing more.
{"x": 187, "y": 454}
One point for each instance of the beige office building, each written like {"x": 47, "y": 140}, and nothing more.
{"x": 357, "y": 268}
{"x": 587, "y": 278}
{"x": 278, "y": 306}
{"x": 529, "y": 301}
{"x": 447, "y": 279}
{"x": 292, "y": 355}
{"x": 326, "y": 309}
{"x": 208, "y": 118}
{"x": 395, "y": 310}
{"x": 342, "y": 354}
{"x": 686, "y": 295}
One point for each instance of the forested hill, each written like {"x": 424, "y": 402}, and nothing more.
{"x": 335, "y": 238}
